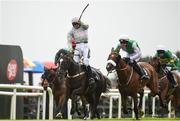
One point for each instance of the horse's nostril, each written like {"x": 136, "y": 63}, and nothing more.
{"x": 108, "y": 67}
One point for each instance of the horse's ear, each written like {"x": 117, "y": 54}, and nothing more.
{"x": 54, "y": 69}
{"x": 45, "y": 69}
{"x": 112, "y": 49}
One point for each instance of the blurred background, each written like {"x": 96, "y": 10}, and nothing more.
{"x": 40, "y": 27}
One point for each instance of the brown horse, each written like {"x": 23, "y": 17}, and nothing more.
{"x": 77, "y": 81}
{"x": 129, "y": 80}
{"x": 165, "y": 86}
{"x": 50, "y": 78}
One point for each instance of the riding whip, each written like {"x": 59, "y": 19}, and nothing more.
{"x": 83, "y": 12}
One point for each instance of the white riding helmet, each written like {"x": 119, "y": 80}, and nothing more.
{"x": 75, "y": 20}
{"x": 161, "y": 47}
{"x": 124, "y": 37}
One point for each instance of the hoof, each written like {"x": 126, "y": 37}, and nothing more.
{"x": 85, "y": 118}
{"x": 141, "y": 112}
{"x": 59, "y": 115}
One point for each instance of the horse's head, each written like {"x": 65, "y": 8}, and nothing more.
{"x": 59, "y": 54}
{"x": 48, "y": 77}
{"x": 65, "y": 61}
{"x": 155, "y": 62}
{"x": 113, "y": 60}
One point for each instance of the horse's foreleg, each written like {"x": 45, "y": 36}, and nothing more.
{"x": 63, "y": 104}
{"x": 124, "y": 103}
{"x": 77, "y": 105}
{"x": 61, "y": 107}
{"x": 85, "y": 107}
{"x": 135, "y": 98}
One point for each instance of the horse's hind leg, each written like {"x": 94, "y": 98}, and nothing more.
{"x": 141, "y": 93}
{"x": 135, "y": 98}
{"x": 150, "y": 103}
{"x": 97, "y": 98}
{"x": 86, "y": 111}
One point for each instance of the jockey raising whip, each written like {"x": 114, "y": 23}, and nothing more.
{"x": 78, "y": 36}
{"x": 83, "y": 11}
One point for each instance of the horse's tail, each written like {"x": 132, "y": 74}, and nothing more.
{"x": 104, "y": 82}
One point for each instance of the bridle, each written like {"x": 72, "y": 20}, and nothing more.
{"x": 115, "y": 63}
{"x": 60, "y": 60}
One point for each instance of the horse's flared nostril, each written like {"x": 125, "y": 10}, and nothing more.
{"x": 108, "y": 67}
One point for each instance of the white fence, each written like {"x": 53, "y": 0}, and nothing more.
{"x": 41, "y": 94}
{"x": 114, "y": 93}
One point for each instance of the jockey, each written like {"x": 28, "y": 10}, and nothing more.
{"x": 79, "y": 36}
{"x": 169, "y": 61}
{"x": 133, "y": 54}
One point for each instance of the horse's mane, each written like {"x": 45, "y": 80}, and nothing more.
{"x": 59, "y": 53}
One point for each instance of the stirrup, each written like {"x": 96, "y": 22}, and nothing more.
{"x": 146, "y": 77}
{"x": 91, "y": 81}
{"x": 174, "y": 86}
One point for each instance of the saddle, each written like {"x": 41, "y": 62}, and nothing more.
{"x": 145, "y": 71}
{"x": 95, "y": 74}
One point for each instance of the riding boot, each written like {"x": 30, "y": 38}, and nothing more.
{"x": 90, "y": 76}
{"x": 140, "y": 71}
{"x": 171, "y": 79}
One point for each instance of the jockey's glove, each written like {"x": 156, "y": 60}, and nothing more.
{"x": 127, "y": 59}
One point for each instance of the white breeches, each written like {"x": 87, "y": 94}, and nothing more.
{"x": 81, "y": 51}
{"x": 133, "y": 56}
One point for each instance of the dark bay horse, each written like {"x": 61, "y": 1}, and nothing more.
{"x": 51, "y": 78}
{"x": 77, "y": 81}
{"x": 129, "y": 80}
{"x": 165, "y": 86}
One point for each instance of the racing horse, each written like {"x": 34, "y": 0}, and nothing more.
{"x": 50, "y": 78}
{"x": 165, "y": 86}
{"x": 77, "y": 81}
{"x": 129, "y": 82}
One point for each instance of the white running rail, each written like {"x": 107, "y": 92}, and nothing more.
{"x": 114, "y": 93}
{"x": 40, "y": 93}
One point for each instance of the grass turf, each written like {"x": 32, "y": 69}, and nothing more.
{"x": 103, "y": 119}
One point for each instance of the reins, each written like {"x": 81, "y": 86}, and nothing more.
{"x": 74, "y": 76}
{"x": 130, "y": 76}
{"x": 124, "y": 68}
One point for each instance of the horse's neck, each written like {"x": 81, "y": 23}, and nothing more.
{"x": 161, "y": 75}
{"x": 123, "y": 71}
{"x": 58, "y": 82}
{"x": 74, "y": 68}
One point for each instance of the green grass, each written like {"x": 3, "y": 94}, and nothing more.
{"x": 105, "y": 119}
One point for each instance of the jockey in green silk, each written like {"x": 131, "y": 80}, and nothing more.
{"x": 133, "y": 54}
{"x": 170, "y": 61}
